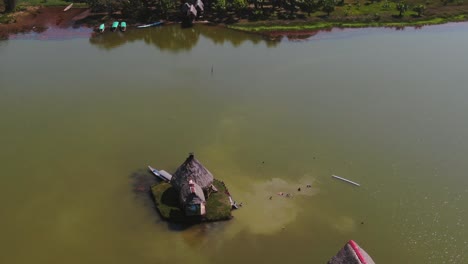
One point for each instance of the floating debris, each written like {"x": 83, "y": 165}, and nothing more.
{"x": 346, "y": 180}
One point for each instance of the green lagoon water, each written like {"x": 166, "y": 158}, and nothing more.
{"x": 80, "y": 119}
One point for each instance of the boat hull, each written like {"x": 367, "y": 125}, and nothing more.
{"x": 151, "y": 25}
{"x": 68, "y": 7}
{"x": 163, "y": 175}
{"x": 101, "y": 28}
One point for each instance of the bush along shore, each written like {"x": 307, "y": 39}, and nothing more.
{"x": 270, "y": 15}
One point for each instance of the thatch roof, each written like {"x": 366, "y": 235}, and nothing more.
{"x": 192, "y": 169}
{"x": 191, "y": 193}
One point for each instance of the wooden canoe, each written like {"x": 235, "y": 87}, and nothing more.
{"x": 123, "y": 26}
{"x": 151, "y": 25}
{"x": 162, "y": 176}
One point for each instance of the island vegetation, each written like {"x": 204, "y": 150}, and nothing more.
{"x": 272, "y": 15}
{"x": 192, "y": 195}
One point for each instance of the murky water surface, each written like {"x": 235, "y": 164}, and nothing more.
{"x": 82, "y": 118}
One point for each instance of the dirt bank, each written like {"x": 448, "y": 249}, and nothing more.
{"x": 38, "y": 19}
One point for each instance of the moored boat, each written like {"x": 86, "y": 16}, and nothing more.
{"x": 101, "y": 28}
{"x": 68, "y": 7}
{"x": 163, "y": 175}
{"x": 123, "y": 26}
{"x": 114, "y": 26}
{"x": 159, "y": 23}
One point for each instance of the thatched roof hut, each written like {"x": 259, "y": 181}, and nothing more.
{"x": 192, "y": 169}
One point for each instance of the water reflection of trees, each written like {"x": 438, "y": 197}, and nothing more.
{"x": 174, "y": 38}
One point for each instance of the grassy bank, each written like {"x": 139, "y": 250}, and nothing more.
{"x": 218, "y": 206}
{"x": 167, "y": 202}
{"x": 22, "y": 5}
{"x": 308, "y": 25}
{"x": 301, "y": 15}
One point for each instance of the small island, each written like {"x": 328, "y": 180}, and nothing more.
{"x": 192, "y": 195}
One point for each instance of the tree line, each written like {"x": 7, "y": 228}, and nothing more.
{"x": 244, "y": 8}
{"x": 253, "y": 9}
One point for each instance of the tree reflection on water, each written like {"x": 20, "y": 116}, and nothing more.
{"x": 175, "y": 39}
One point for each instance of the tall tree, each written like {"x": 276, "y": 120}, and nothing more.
{"x": 419, "y": 9}
{"x": 239, "y": 6}
{"x": 292, "y": 6}
{"x": 328, "y": 6}
{"x": 308, "y": 6}
{"x": 402, "y": 7}
{"x": 10, "y": 5}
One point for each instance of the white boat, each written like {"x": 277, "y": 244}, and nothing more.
{"x": 163, "y": 175}
{"x": 68, "y": 7}
{"x": 159, "y": 23}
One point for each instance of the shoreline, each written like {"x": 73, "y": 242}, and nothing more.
{"x": 301, "y": 26}
{"x": 39, "y": 18}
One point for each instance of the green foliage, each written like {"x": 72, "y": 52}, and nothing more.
{"x": 218, "y": 206}
{"x": 239, "y": 5}
{"x": 308, "y": 6}
{"x": 376, "y": 16}
{"x": 328, "y": 6}
{"x": 104, "y": 5}
{"x": 164, "y": 6}
{"x": 255, "y": 15}
{"x": 6, "y": 19}
{"x": 167, "y": 201}
{"x": 386, "y": 5}
{"x": 401, "y": 7}
{"x": 446, "y": 2}
{"x": 47, "y": 3}
{"x": 419, "y": 9}
{"x": 220, "y": 5}
{"x": 291, "y": 6}
{"x": 358, "y": 4}
{"x": 135, "y": 9}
